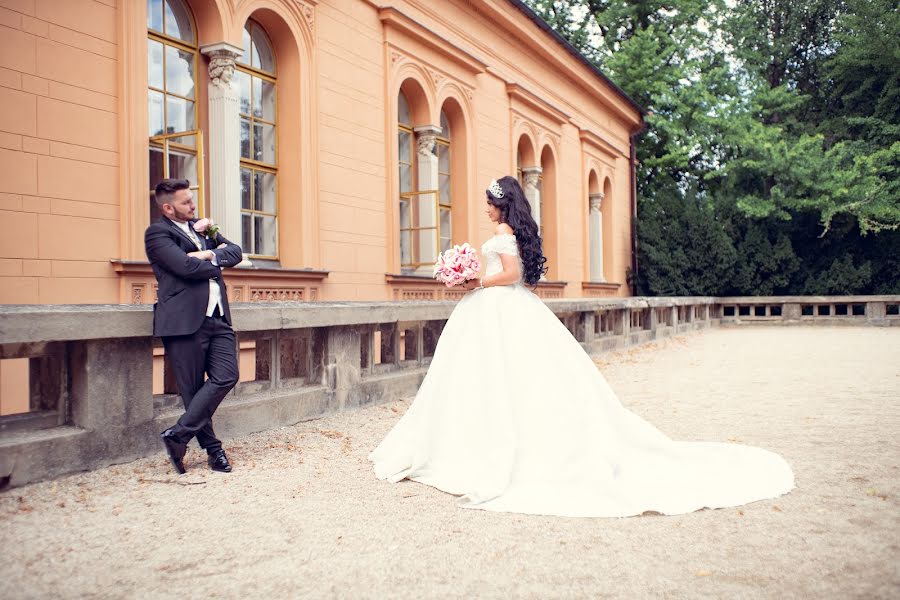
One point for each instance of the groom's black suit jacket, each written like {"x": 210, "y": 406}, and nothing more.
{"x": 183, "y": 294}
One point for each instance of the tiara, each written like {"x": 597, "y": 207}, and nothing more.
{"x": 495, "y": 189}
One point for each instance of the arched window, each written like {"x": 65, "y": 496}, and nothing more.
{"x": 255, "y": 77}
{"x": 445, "y": 225}
{"x": 406, "y": 161}
{"x": 176, "y": 146}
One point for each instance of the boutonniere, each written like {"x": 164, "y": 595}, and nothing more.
{"x": 207, "y": 228}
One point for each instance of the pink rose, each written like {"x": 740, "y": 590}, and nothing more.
{"x": 202, "y": 225}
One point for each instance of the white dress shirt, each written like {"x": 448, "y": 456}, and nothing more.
{"x": 215, "y": 294}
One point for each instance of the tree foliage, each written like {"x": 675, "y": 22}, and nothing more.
{"x": 771, "y": 160}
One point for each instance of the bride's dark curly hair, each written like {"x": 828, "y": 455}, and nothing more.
{"x": 515, "y": 211}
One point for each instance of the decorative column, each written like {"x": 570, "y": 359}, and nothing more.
{"x": 224, "y": 140}
{"x": 425, "y": 207}
{"x": 532, "y": 191}
{"x": 596, "y": 237}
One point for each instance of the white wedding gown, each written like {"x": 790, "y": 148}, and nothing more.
{"x": 514, "y": 416}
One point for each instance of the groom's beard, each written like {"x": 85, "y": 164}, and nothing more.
{"x": 183, "y": 216}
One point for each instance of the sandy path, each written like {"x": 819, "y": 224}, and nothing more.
{"x": 302, "y": 515}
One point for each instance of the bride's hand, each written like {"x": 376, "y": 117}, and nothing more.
{"x": 470, "y": 285}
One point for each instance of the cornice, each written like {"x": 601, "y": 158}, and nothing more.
{"x": 534, "y": 102}
{"x": 393, "y": 18}
{"x": 598, "y": 142}
{"x": 534, "y": 38}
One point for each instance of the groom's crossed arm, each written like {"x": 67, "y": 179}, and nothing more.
{"x": 227, "y": 253}
{"x": 163, "y": 251}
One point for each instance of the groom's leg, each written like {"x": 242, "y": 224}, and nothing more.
{"x": 186, "y": 359}
{"x": 221, "y": 368}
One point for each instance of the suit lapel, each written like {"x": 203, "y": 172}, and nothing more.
{"x": 184, "y": 235}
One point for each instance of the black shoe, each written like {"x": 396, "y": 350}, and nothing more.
{"x": 219, "y": 462}
{"x": 175, "y": 449}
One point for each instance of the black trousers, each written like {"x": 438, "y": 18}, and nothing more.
{"x": 211, "y": 351}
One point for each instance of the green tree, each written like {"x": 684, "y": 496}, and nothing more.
{"x": 774, "y": 131}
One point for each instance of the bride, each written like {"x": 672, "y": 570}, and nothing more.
{"x": 514, "y": 416}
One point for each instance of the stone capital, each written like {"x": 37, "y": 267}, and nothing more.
{"x": 426, "y": 138}
{"x": 596, "y": 201}
{"x": 222, "y": 58}
{"x": 532, "y": 176}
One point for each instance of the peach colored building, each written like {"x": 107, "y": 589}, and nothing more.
{"x": 345, "y": 142}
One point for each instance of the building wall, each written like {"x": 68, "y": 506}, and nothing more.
{"x": 59, "y": 202}
{"x": 73, "y": 142}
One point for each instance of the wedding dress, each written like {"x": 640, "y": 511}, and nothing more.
{"x": 514, "y": 416}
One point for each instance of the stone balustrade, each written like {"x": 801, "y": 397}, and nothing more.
{"x": 91, "y": 400}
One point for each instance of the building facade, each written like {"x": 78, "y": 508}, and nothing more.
{"x": 344, "y": 142}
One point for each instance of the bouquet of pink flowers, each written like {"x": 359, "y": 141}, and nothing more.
{"x": 457, "y": 265}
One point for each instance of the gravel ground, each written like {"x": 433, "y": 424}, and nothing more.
{"x": 303, "y": 516}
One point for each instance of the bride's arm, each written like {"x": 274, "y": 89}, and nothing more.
{"x": 508, "y": 276}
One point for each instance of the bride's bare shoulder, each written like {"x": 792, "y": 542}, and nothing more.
{"x": 503, "y": 229}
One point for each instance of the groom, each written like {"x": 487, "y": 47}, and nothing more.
{"x": 191, "y": 316}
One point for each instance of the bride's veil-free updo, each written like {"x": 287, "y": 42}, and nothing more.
{"x": 515, "y": 211}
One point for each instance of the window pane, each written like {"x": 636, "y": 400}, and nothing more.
{"x": 155, "y": 15}
{"x": 186, "y": 140}
{"x": 178, "y": 22}
{"x": 404, "y": 214}
{"x": 264, "y": 143}
{"x": 155, "y": 213}
{"x": 425, "y": 241}
{"x": 444, "y": 183}
{"x": 264, "y": 192}
{"x": 242, "y": 80}
{"x": 179, "y": 114}
{"x": 155, "y": 64}
{"x": 246, "y": 178}
{"x": 179, "y": 72}
{"x": 247, "y": 234}
{"x": 265, "y": 236}
{"x": 446, "y": 229}
{"x": 405, "y": 142}
{"x": 443, "y": 152}
{"x": 245, "y": 139}
{"x": 156, "y": 166}
{"x": 155, "y": 106}
{"x": 405, "y": 178}
{"x": 405, "y": 248}
{"x": 263, "y": 58}
{"x": 445, "y": 126}
{"x": 244, "y": 59}
{"x": 263, "y": 99}
{"x": 403, "y": 117}
{"x": 183, "y": 165}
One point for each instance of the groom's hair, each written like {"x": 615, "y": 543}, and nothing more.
{"x": 166, "y": 188}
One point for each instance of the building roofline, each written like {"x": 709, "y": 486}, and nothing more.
{"x": 537, "y": 20}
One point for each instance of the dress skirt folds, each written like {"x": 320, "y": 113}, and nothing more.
{"x": 514, "y": 416}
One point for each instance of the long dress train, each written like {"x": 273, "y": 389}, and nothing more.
{"x": 513, "y": 415}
